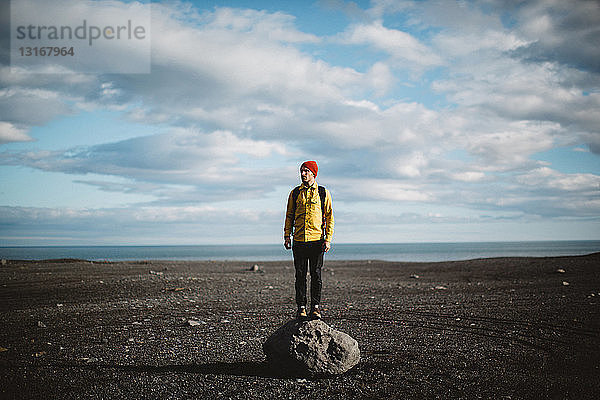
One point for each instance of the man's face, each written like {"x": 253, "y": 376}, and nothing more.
{"x": 307, "y": 176}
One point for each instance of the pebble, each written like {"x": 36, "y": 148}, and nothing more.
{"x": 414, "y": 276}
{"x": 560, "y": 271}
{"x": 565, "y": 283}
{"x": 41, "y": 324}
{"x": 192, "y": 322}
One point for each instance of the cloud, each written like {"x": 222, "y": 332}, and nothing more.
{"x": 541, "y": 192}
{"x": 184, "y": 224}
{"x": 259, "y": 25}
{"x": 381, "y": 8}
{"x": 183, "y": 157}
{"x": 10, "y": 133}
{"x": 468, "y": 176}
{"x": 401, "y": 46}
{"x": 549, "y": 179}
{"x": 511, "y": 149}
{"x": 379, "y": 189}
{"x": 498, "y": 89}
{"x": 459, "y": 44}
{"x": 205, "y": 64}
{"x": 16, "y": 105}
{"x": 563, "y": 32}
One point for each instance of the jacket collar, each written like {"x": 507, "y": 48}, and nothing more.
{"x": 305, "y": 186}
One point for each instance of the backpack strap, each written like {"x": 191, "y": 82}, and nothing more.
{"x": 295, "y": 194}
{"x": 322, "y": 196}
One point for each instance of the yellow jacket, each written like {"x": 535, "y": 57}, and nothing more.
{"x": 310, "y": 221}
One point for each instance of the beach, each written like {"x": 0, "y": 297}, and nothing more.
{"x": 512, "y": 328}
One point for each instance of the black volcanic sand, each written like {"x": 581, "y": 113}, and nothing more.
{"x": 492, "y": 328}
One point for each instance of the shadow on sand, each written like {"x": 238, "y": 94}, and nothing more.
{"x": 242, "y": 368}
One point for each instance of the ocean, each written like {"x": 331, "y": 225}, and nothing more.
{"x": 420, "y": 252}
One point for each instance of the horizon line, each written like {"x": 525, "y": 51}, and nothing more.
{"x": 277, "y": 244}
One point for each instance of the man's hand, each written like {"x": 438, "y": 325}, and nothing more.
{"x": 326, "y": 246}
{"x": 287, "y": 243}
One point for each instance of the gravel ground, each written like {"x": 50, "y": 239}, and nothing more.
{"x": 494, "y": 328}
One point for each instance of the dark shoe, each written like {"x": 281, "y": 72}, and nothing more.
{"x": 302, "y": 312}
{"x": 315, "y": 313}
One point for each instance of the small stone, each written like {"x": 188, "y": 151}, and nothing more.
{"x": 3, "y": 349}
{"x": 560, "y": 271}
{"x": 415, "y": 276}
{"x": 441, "y": 288}
{"x": 4, "y": 262}
{"x": 192, "y": 322}
{"x": 41, "y": 324}
{"x": 565, "y": 283}
{"x": 254, "y": 268}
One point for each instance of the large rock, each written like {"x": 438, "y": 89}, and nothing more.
{"x": 311, "y": 347}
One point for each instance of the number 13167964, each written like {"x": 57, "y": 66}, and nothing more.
{"x": 46, "y": 51}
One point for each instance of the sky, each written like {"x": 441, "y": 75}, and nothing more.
{"x": 431, "y": 121}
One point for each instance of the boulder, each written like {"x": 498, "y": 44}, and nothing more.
{"x": 311, "y": 347}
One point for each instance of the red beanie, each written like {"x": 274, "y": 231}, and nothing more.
{"x": 312, "y": 165}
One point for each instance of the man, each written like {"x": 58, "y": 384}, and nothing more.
{"x": 309, "y": 217}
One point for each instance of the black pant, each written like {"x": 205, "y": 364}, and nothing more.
{"x": 308, "y": 254}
